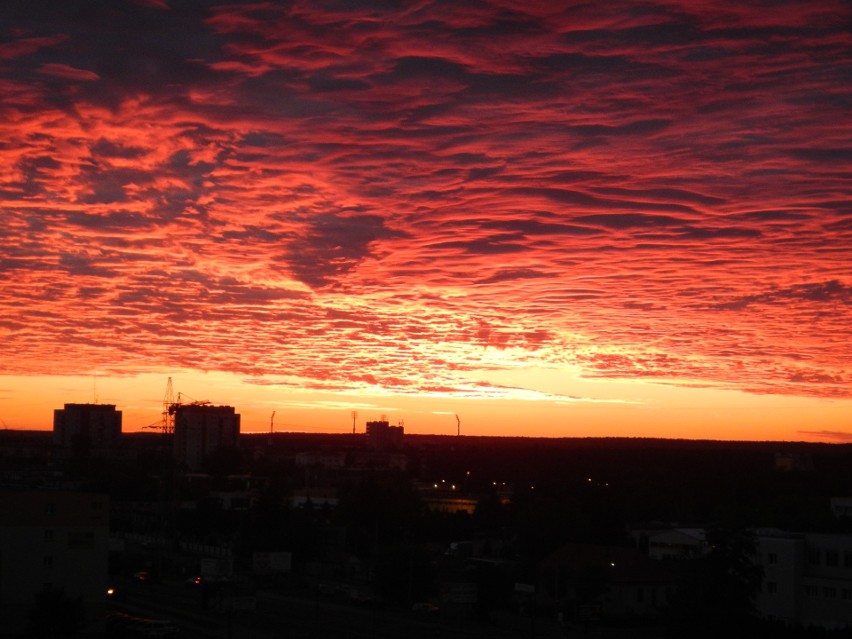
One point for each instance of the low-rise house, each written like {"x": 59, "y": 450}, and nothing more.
{"x": 316, "y": 496}
{"x": 324, "y": 459}
{"x": 677, "y": 543}
{"x": 619, "y": 582}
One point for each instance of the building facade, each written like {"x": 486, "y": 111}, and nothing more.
{"x": 52, "y": 541}
{"x": 201, "y": 430}
{"x": 381, "y": 435}
{"x": 807, "y": 578}
{"x": 87, "y": 426}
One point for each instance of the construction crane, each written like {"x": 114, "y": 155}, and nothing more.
{"x": 170, "y": 406}
{"x": 168, "y": 415}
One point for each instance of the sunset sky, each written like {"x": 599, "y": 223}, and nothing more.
{"x": 550, "y": 219}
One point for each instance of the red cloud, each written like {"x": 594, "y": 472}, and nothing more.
{"x": 655, "y": 191}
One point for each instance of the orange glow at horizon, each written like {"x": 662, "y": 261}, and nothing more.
{"x": 620, "y": 221}
{"x": 618, "y": 409}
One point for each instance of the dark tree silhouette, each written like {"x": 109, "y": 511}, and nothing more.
{"x": 404, "y": 575}
{"x": 719, "y": 591}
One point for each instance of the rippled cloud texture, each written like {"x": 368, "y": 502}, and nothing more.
{"x": 381, "y": 196}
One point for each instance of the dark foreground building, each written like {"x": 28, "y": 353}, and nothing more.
{"x": 54, "y": 548}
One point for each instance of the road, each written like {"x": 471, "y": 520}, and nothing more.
{"x": 277, "y": 616}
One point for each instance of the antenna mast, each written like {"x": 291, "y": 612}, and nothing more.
{"x": 271, "y": 418}
{"x": 458, "y": 426}
{"x": 354, "y": 417}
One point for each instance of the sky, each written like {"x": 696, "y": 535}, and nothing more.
{"x": 538, "y": 218}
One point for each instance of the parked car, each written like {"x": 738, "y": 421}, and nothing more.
{"x": 146, "y": 577}
{"x": 194, "y": 581}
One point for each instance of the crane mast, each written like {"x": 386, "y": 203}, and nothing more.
{"x": 170, "y": 406}
{"x": 168, "y": 413}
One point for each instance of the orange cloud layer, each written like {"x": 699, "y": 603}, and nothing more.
{"x": 393, "y": 198}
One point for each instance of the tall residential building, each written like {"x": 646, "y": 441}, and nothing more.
{"x": 201, "y": 430}
{"x": 86, "y": 426}
{"x": 381, "y": 435}
{"x": 52, "y": 541}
